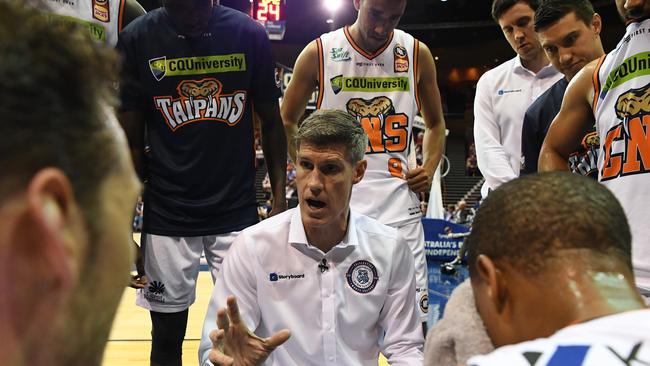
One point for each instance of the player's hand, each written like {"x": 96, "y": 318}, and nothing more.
{"x": 234, "y": 345}
{"x": 279, "y": 206}
{"x": 138, "y": 281}
{"x": 419, "y": 180}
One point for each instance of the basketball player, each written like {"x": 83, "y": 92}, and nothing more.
{"x": 613, "y": 92}
{"x": 569, "y": 32}
{"x": 66, "y": 194}
{"x": 191, "y": 74}
{"x": 104, "y": 19}
{"x": 383, "y": 77}
{"x": 556, "y": 278}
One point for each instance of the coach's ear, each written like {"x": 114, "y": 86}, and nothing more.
{"x": 360, "y": 171}
{"x": 43, "y": 251}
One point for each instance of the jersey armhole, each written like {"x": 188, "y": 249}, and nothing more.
{"x": 416, "y": 52}
{"x": 596, "y": 83}
{"x": 120, "y": 17}
{"x": 321, "y": 71}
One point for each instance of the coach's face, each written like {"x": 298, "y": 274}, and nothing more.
{"x": 631, "y": 10}
{"x": 518, "y": 27}
{"x": 325, "y": 178}
{"x": 570, "y": 44}
{"x": 191, "y": 17}
{"x": 377, "y": 19}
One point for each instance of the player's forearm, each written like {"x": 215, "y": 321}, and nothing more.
{"x": 551, "y": 159}
{"x": 274, "y": 145}
{"x": 433, "y": 146}
{"x": 291, "y": 129}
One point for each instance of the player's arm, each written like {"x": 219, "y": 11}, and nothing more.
{"x": 573, "y": 121}
{"x": 493, "y": 162}
{"x": 132, "y": 10}
{"x": 419, "y": 179}
{"x": 303, "y": 82}
{"x": 274, "y": 144}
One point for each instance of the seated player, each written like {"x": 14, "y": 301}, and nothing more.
{"x": 342, "y": 283}
{"x": 66, "y": 194}
{"x": 550, "y": 265}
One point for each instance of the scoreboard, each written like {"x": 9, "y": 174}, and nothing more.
{"x": 270, "y": 13}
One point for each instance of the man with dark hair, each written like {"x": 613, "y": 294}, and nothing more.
{"x": 504, "y": 93}
{"x": 192, "y": 71}
{"x": 539, "y": 268}
{"x": 342, "y": 283}
{"x": 569, "y": 31}
{"x": 66, "y": 194}
{"x": 348, "y": 65}
{"x": 613, "y": 93}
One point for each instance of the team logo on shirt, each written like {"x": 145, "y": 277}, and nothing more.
{"x": 401, "y": 58}
{"x": 155, "y": 292}
{"x": 162, "y": 67}
{"x": 362, "y": 276}
{"x": 424, "y": 302}
{"x": 201, "y": 100}
{"x": 387, "y": 130}
{"x": 102, "y": 10}
{"x": 585, "y": 161}
{"x": 339, "y": 54}
{"x": 362, "y": 84}
{"x": 626, "y": 146}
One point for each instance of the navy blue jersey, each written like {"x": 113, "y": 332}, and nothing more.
{"x": 537, "y": 121}
{"x": 196, "y": 94}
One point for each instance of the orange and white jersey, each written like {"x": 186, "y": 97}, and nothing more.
{"x": 380, "y": 90}
{"x": 103, "y": 18}
{"x": 622, "y": 111}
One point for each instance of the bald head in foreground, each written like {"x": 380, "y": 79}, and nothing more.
{"x": 550, "y": 256}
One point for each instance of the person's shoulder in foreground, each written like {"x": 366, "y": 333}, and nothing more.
{"x": 540, "y": 269}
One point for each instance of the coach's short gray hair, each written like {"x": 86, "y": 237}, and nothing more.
{"x": 333, "y": 127}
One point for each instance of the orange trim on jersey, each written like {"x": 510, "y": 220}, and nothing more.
{"x": 120, "y": 17}
{"x": 596, "y": 82}
{"x": 416, "y": 52}
{"x": 363, "y": 53}
{"x": 321, "y": 82}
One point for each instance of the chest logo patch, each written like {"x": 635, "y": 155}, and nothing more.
{"x": 401, "y": 58}
{"x": 339, "y": 54}
{"x": 102, "y": 10}
{"x": 362, "y": 276}
{"x": 201, "y": 100}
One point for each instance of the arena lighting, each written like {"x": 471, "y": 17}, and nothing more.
{"x": 332, "y": 5}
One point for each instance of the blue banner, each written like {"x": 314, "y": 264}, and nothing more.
{"x": 436, "y": 246}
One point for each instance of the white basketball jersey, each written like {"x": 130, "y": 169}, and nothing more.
{"x": 380, "y": 90}
{"x": 622, "y": 111}
{"x": 103, "y": 18}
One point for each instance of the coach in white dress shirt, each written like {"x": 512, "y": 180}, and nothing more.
{"x": 319, "y": 284}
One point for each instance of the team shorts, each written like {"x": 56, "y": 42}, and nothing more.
{"x": 172, "y": 266}
{"x": 413, "y": 232}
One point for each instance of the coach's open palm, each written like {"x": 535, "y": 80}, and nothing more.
{"x": 234, "y": 345}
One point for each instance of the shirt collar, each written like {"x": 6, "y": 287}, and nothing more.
{"x": 545, "y": 71}
{"x": 298, "y": 236}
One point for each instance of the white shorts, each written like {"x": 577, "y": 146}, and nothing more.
{"x": 413, "y": 232}
{"x": 172, "y": 266}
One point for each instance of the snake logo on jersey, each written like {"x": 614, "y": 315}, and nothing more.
{"x": 626, "y": 147}
{"x": 387, "y": 131}
{"x": 201, "y": 100}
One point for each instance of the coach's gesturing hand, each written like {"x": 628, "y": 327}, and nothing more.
{"x": 234, "y": 345}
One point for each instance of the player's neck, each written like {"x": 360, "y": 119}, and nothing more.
{"x": 366, "y": 45}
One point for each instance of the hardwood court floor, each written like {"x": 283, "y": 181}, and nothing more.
{"x": 130, "y": 340}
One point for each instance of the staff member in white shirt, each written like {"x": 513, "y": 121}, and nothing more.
{"x": 338, "y": 280}
{"x": 504, "y": 93}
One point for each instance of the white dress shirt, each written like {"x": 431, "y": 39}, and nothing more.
{"x": 503, "y": 95}
{"x": 337, "y": 310}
